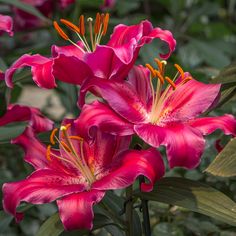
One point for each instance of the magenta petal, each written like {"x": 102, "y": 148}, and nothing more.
{"x": 128, "y": 166}
{"x": 139, "y": 78}
{"x": 76, "y": 210}
{"x": 120, "y": 96}
{"x": 23, "y": 113}
{"x": 184, "y": 144}
{"x": 190, "y": 100}
{"x": 42, "y": 186}
{"x": 102, "y": 116}
{"x": 207, "y": 125}
{"x": 71, "y": 69}
{"x": 41, "y": 68}
{"x": 6, "y": 24}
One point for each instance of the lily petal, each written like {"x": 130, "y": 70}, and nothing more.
{"x": 41, "y": 68}
{"x": 98, "y": 114}
{"x": 208, "y": 125}
{"x": 184, "y": 144}
{"x": 189, "y": 100}
{"x": 6, "y": 24}
{"x": 120, "y": 96}
{"x": 42, "y": 186}
{"x": 128, "y": 166}
{"x": 23, "y": 113}
{"x": 76, "y": 210}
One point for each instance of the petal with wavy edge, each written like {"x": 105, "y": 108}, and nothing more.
{"x": 139, "y": 35}
{"x": 184, "y": 144}
{"x": 128, "y": 165}
{"x": 23, "y": 113}
{"x": 120, "y": 96}
{"x": 6, "y": 24}
{"x": 41, "y": 68}
{"x": 42, "y": 186}
{"x": 76, "y": 210}
{"x": 98, "y": 114}
{"x": 188, "y": 101}
{"x": 207, "y": 125}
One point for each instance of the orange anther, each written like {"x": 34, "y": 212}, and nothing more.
{"x": 159, "y": 76}
{"x": 180, "y": 70}
{"x": 66, "y": 147}
{"x": 159, "y": 64}
{"x": 70, "y": 25}
{"x": 105, "y": 23}
{"x": 60, "y": 31}
{"x": 53, "y": 135}
{"x": 151, "y": 69}
{"x": 48, "y": 153}
{"x": 187, "y": 79}
{"x": 170, "y": 82}
{"x": 82, "y": 25}
{"x": 76, "y": 138}
{"x": 97, "y": 24}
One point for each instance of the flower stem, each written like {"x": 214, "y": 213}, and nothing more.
{"x": 145, "y": 211}
{"x": 129, "y": 211}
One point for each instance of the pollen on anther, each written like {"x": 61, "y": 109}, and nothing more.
{"x": 60, "y": 31}
{"x": 151, "y": 69}
{"x": 70, "y": 25}
{"x": 105, "y": 23}
{"x": 66, "y": 147}
{"x": 81, "y": 25}
{"x": 172, "y": 84}
{"x": 48, "y": 153}
{"x": 97, "y": 24}
{"x": 76, "y": 138}
{"x": 53, "y": 135}
{"x": 160, "y": 77}
{"x": 180, "y": 70}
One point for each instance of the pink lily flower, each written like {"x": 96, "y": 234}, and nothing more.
{"x": 6, "y": 24}
{"x": 78, "y": 173}
{"x": 168, "y": 117}
{"x": 80, "y": 62}
{"x": 19, "y": 113}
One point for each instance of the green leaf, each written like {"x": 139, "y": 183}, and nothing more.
{"x": 194, "y": 196}
{"x": 227, "y": 75}
{"x": 9, "y": 132}
{"x": 5, "y": 220}
{"x": 26, "y": 7}
{"x": 224, "y": 164}
{"x": 52, "y": 226}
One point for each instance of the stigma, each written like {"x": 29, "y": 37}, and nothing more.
{"x": 95, "y": 31}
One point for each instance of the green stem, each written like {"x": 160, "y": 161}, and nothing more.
{"x": 145, "y": 211}
{"x": 129, "y": 211}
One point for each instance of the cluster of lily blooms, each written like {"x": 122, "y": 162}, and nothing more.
{"x": 90, "y": 154}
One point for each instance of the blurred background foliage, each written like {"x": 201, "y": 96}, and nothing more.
{"x": 206, "y": 43}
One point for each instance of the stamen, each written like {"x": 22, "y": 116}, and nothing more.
{"x": 187, "y": 79}
{"x": 76, "y": 138}
{"x": 151, "y": 69}
{"x": 70, "y": 25}
{"x": 48, "y": 153}
{"x": 180, "y": 70}
{"x": 66, "y": 146}
{"x": 159, "y": 64}
{"x": 60, "y": 31}
{"x": 170, "y": 82}
{"x": 159, "y": 76}
{"x": 81, "y": 25}
{"x": 105, "y": 23}
{"x": 52, "y": 136}
{"x": 97, "y": 24}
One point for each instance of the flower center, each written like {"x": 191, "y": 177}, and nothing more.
{"x": 159, "y": 95}
{"x": 95, "y": 31}
{"x": 71, "y": 155}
